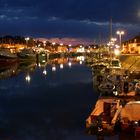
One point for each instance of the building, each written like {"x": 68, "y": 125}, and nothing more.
{"x": 132, "y": 46}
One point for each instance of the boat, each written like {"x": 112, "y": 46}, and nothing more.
{"x": 97, "y": 67}
{"x": 104, "y": 116}
{"x": 98, "y": 79}
{"x": 7, "y": 58}
{"x": 27, "y": 54}
{"x": 115, "y": 64}
{"x": 41, "y": 59}
{"x": 130, "y": 116}
{"x": 6, "y": 54}
{"x": 106, "y": 88}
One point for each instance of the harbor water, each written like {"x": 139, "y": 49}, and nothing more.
{"x": 49, "y": 102}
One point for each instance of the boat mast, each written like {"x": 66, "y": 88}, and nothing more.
{"x": 99, "y": 45}
{"x": 110, "y": 48}
{"x": 110, "y": 29}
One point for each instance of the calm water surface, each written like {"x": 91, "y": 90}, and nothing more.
{"x": 37, "y": 103}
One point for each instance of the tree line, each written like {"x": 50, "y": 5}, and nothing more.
{"x": 16, "y": 40}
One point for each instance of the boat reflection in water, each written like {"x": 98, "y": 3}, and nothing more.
{"x": 61, "y": 66}
{"x": 69, "y": 63}
{"x": 53, "y": 67}
{"x": 30, "y": 66}
{"x": 16, "y": 69}
{"x": 8, "y": 72}
{"x": 62, "y": 62}
{"x": 45, "y": 71}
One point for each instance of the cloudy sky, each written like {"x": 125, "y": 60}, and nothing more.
{"x": 69, "y": 19}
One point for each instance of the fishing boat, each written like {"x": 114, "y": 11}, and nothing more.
{"x": 104, "y": 115}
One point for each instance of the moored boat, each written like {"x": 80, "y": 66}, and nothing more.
{"x": 115, "y": 63}
{"x": 27, "y": 54}
{"x": 130, "y": 116}
{"x": 6, "y": 54}
{"x": 7, "y": 58}
{"x": 104, "y": 116}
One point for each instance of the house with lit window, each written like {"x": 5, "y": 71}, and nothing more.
{"x": 132, "y": 46}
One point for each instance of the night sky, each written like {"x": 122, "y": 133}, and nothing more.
{"x": 69, "y": 19}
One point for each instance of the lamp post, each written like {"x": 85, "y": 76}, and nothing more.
{"x": 120, "y": 33}
{"x": 53, "y": 43}
{"x": 27, "y": 39}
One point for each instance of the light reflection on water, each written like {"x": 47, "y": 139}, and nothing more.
{"x": 39, "y": 103}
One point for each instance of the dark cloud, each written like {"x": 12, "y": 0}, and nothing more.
{"x": 68, "y": 18}
{"x": 97, "y": 10}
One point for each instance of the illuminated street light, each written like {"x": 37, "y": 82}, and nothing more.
{"x": 53, "y": 43}
{"x": 44, "y": 43}
{"x": 117, "y": 46}
{"x": 110, "y": 44}
{"x": 120, "y": 33}
{"x": 113, "y": 39}
{"x": 116, "y": 52}
{"x": 61, "y": 44}
{"x": 27, "y": 39}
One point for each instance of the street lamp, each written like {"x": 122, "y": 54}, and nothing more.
{"x": 61, "y": 44}
{"x": 44, "y": 43}
{"x": 120, "y": 33}
{"x": 116, "y": 52}
{"x": 27, "y": 39}
{"x": 113, "y": 40}
{"x": 53, "y": 43}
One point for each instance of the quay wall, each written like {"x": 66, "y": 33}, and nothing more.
{"x": 130, "y": 62}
